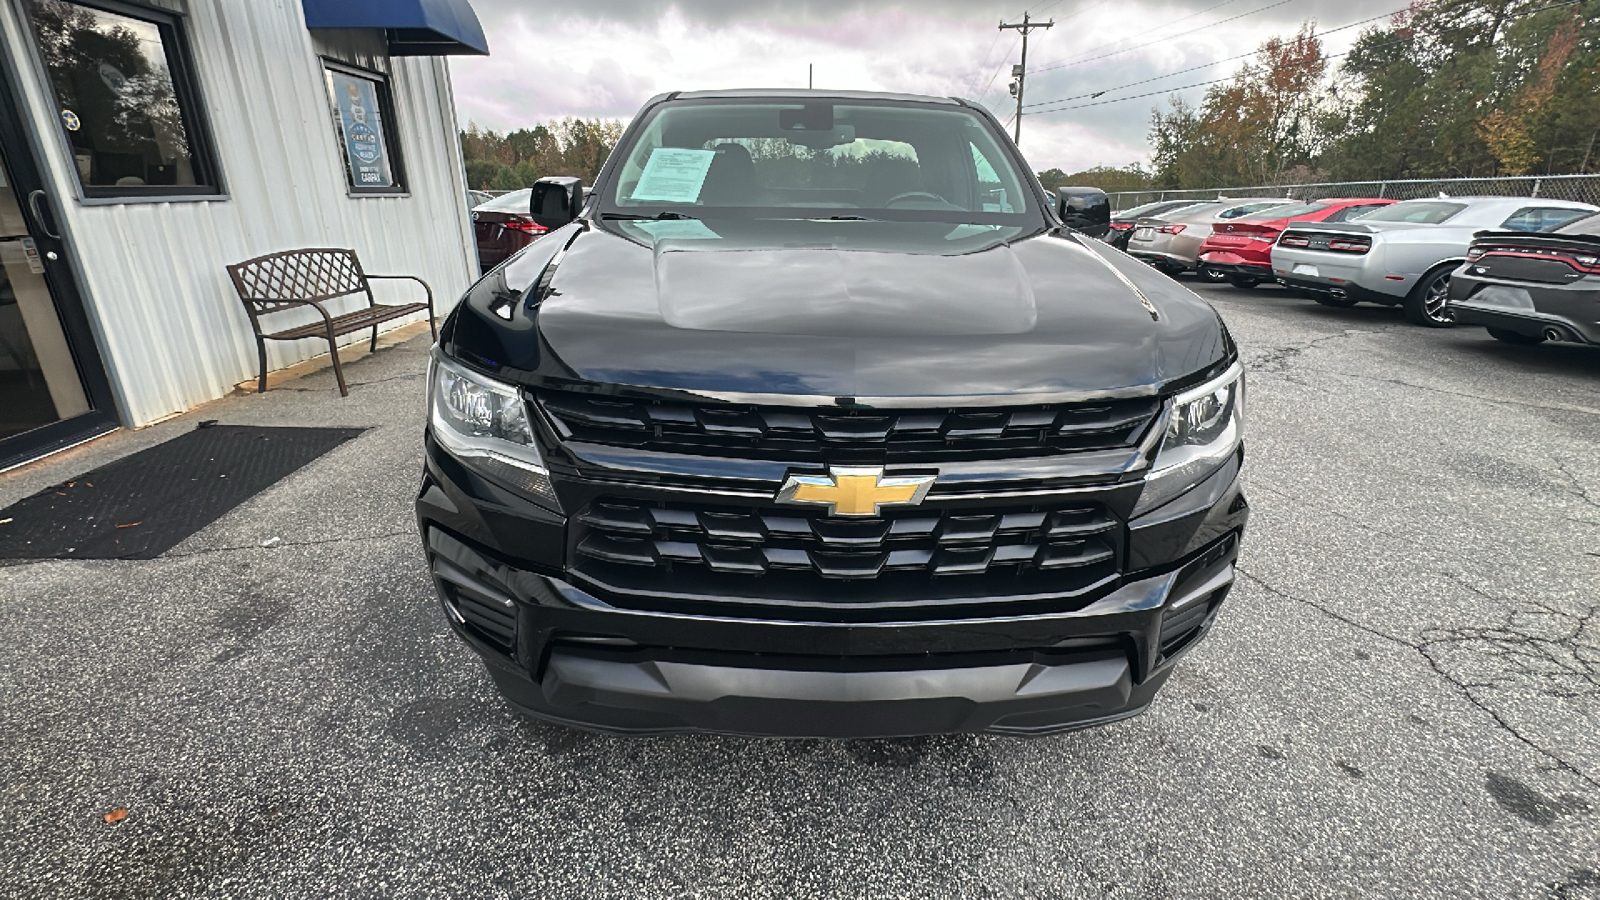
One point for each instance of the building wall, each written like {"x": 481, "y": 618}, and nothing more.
{"x": 170, "y": 327}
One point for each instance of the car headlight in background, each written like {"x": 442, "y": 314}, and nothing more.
{"x": 1204, "y": 430}
{"x": 484, "y": 424}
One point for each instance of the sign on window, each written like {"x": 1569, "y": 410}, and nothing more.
{"x": 359, "y": 122}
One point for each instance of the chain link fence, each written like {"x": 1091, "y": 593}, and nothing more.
{"x": 1581, "y": 188}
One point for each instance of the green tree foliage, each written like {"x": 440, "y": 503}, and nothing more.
{"x": 1451, "y": 88}
{"x": 505, "y": 162}
{"x": 1107, "y": 178}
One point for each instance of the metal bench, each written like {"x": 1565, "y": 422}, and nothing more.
{"x": 295, "y": 278}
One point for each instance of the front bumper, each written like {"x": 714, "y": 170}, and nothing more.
{"x": 567, "y": 653}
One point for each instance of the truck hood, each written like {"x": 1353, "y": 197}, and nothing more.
{"x": 915, "y": 312}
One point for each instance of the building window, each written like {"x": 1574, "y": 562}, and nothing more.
{"x": 362, "y": 123}
{"x": 125, "y": 99}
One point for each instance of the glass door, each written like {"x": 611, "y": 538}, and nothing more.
{"x": 53, "y": 391}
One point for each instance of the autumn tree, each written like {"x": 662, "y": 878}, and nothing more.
{"x": 1251, "y": 128}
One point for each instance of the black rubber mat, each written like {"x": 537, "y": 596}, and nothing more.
{"x": 143, "y": 505}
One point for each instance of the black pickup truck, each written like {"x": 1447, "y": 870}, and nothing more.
{"x": 813, "y": 418}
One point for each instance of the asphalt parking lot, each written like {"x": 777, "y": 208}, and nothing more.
{"x": 1401, "y": 698}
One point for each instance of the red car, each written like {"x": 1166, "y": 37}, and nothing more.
{"x": 1239, "y": 250}
{"x": 503, "y": 226}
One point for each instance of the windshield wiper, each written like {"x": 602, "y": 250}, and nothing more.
{"x": 666, "y": 216}
{"x": 845, "y": 219}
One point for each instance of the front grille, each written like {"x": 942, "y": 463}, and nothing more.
{"x": 847, "y": 434}
{"x": 921, "y": 558}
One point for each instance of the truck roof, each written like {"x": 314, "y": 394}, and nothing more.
{"x": 804, "y": 93}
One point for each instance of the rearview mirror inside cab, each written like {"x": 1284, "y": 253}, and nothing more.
{"x": 556, "y": 200}
{"x": 1086, "y": 209}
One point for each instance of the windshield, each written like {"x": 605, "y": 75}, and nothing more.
{"x": 819, "y": 159}
{"x": 1426, "y": 212}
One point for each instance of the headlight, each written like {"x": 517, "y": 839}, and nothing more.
{"x": 1203, "y": 431}
{"x": 484, "y": 424}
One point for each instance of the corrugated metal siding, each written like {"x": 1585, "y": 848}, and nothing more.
{"x": 171, "y": 329}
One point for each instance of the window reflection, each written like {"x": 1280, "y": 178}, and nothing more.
{"x": 118, "y": 107}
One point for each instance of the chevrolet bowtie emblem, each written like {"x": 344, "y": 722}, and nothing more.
{"x": 855, "y": 490}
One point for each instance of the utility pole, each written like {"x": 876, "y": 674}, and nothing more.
{"x": 1019, "y": 72}
{"x": 811, "y": 73}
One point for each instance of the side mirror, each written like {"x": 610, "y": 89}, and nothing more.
{"x": 555, "y": 201}
{"x": 1085, "y": 209}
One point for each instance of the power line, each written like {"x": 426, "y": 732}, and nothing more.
{"x": 1126, "y": 39}
{"x": 1079, "y": 62}
{"x": 983, "y": 62}
{"x": 1080, "y": 12}
{"x": 1324, "y": 59}
{"x": 1093, "y": 94}
{"x": 997, "y": 70}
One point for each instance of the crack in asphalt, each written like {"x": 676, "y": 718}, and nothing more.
{"x": 1463, "y": 687}
{"x": 1578, "y": 487}
{"x": 1275, "y": 360}
{"x": 1563, "y": 661}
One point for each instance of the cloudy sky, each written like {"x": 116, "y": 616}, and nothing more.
{"x": 606, "y": 57}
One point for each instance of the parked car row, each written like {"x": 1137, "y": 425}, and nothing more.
{"x": 1171, "y": 242}
{"x": 1528, "y": 268}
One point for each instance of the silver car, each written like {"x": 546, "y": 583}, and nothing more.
{"x": 1171, "y": 242}
{"x": 1402, "y": 255}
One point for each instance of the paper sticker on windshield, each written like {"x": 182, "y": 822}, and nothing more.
{"x": 681, "y": 229}
{"x": 673, "y": 175}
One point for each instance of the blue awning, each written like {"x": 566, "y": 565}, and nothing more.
{"x": 412, "y": 27}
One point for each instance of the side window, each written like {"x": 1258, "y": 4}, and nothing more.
{"x": 991, "y": 193}
{"x": 126, "y": 99}
{"x": 363, "y": 124}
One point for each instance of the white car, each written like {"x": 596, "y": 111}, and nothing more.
{"x": 1402, "y": 255}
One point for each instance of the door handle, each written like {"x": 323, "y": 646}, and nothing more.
{"x": 38, "y": 217}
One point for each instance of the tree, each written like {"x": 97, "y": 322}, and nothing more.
{"x": 1448, "y": 88}
{"x": 517, "y": 159}
{"x": 1249, "y": 129}
{"x": 1106, "y": 178}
